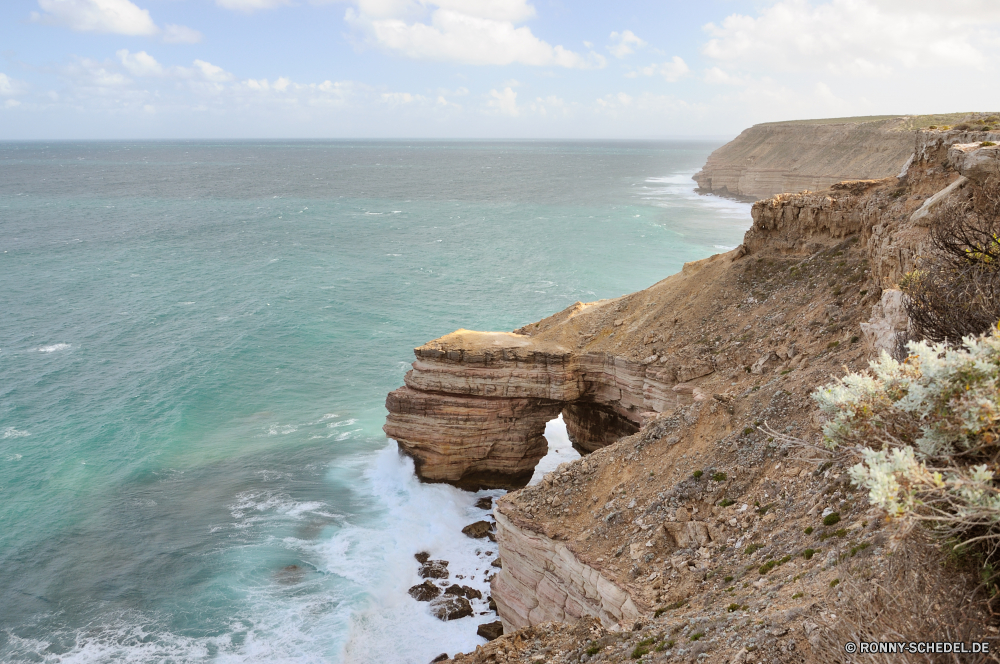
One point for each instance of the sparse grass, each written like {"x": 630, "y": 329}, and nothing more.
{"x": 842, "y": 532}
{"x": 719, "y": 477}
{"x": 726, "y": 502}
{"x": 593, "y": 649}
{"x": 752, "y": 548}
{"x": 809, "y": 530}
{"x": 670, "y": 607}
{"x": 643, "y": 647}
{"x": 798, "y": 595}
{"x": 835, "y": 583}
{"x": 697, "y": 635}
{"x": 913, "y": 596}
{"x": 728, "y": 579}
{"x": 697, "y": 474}
{"x": 771, "y": 564}
{"x": 808, "y": 554}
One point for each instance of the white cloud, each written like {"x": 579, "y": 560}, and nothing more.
{"x": 624, "y": 43}
{"x": 550, "y": 106}
{"x": 179, "y": 34}
{"x": 515, "y": 11}
{"x": 866, "y": 38}
{"x": 479, "y": 32}
{"x": 251, "y": 5}
{"x": 112, "y": 16}
{"x": 401, "y": 98}
{"x": 140, "y": 64}
{"x": 263, "y": 85}
{"x": 143, "y": 65}
{"x": 672, "y": 70}
{"x": 120, "y": 17}
{"x": 95, "y": 76}
{"x": 212, "y": 73}
{"x": 717, "y": 76}
{"x": 504, "y": 102}
{"x": 9, "y": 86}
{"x": 647, "y": 109}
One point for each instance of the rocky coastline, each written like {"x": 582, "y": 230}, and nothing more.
{"x": 691, "y": 527}
{"x": 779, "y": 157}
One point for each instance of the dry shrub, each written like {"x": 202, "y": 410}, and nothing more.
{"x": 955, "y": 291}
{"x": 922, "y": 594}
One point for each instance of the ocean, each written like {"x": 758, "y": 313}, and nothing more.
{"x": 196, "y": 342}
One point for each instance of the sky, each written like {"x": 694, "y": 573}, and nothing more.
{"x": 159, "y": 69}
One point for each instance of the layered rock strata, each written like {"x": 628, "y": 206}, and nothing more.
{"x": 783, "y": 157}
{"x": 475, "y": 405}
{"x": 543, "y": 580}
{"x": 713, "y": 366}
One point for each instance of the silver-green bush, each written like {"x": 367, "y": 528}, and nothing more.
{"x": 927, "y": 431}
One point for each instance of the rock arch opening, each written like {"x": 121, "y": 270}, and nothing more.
{"x": 475, "y": 406}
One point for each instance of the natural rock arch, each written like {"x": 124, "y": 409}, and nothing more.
{"x": 475, "y": 405}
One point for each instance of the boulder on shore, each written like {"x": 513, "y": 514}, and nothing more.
{"x": 434, "y": 569}
{"x": 478, "y": 530}
{"x": 424, "y": 592}
{"x": 451, "y": 607}
{"x": 490, "y": 631}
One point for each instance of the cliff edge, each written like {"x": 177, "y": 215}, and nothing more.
{"x": 785, "y": 157}
{"x": 692, "y": 529}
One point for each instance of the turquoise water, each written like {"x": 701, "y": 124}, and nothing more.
{"x": 195, "y": 348}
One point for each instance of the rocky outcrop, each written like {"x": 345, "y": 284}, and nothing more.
{"x": 805, "y": 223}
{"x": 475, "y": 405}
{"x": 703, "y": 522}
{"x": 946, "y": 166}
{"x": 542, "y": 579}
{"x": 783, "y": 157}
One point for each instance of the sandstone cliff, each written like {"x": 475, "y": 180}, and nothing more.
{"x": 691, "y": 526}
{"x": 781, "y": 157}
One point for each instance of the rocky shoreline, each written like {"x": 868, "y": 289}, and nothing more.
{"x": 693, "y": 527}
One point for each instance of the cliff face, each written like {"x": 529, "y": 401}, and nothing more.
{"x": 681, "y": 395}
{"x": 781, "y": 157}
{"x": 475, "y": 405}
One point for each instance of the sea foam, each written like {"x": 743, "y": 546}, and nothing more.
{"x": 53, "y": 348}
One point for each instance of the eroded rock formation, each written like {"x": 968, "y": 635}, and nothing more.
{"x": 783, "y": 157}
{"x": 475, "y": 405}
{"x": 543, "y": 580}
{"x": 690, "y": 371}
